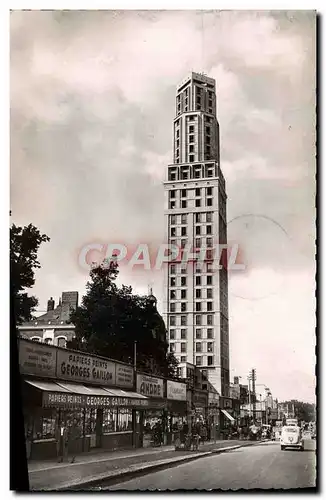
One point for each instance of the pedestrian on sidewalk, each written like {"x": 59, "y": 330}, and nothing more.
{"x": 62, "y": 441}
{"x": 73, "y": 436}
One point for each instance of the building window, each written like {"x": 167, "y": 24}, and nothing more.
{"x": 184, "y": 219}
{"x": 210, "y": 333}
{"x": 47, "y": 340}
{"x": 198, "y": 333}
{"x": 198, "y": 203}
{"x": 197, "y": 230}
{"x": 172, "y": 194}
{"x": 198, "y": 360}
{"x": 191, "y": 148}
{"x": 198, "y": 319}
{"x": 172, "y": 175}
{"x": 183, "y": 203}
{"x": 183, "y": 193}
{"x": 172, "y": 281}
{"x": 191, "y": 129}
{"x": 197, "y": 173}
{"x": 183, "y": 243}
{"x": 172, "y": 347}
{"x": 209, "y": 319}
{"x": 209, "y": 202}
{"x": 210, "y": 170}
{"x": 191, "y": 118}
{"x": 209, "y": 242}
{"x": 173, "y": 219}
{"x": 172, "y": 334}
{"x": 172, "y": 269}
{"x": 173, "y": 232}
{"x": 209, "y": 306}
{"x": 209, "y": 280}
{"x": 191, "y": 158}
{"x": 198, "y": 280}
{"x": 209, "y": 267}
{"x": 62, "y": 341}
{"x": 197, "y": 217}
{"x": 183, "y": 320}
{"x": 183, "y": 281}
{"x": 209, "y": 254}
{"x": 198, "y": 268}
{"x": 210, "y": 346}
{"x": 208, "y": 229}
{"x": 183, "y": 231}
{"x": 209, "y": 293}
{"x": 183, "y": 269}
{"x": 198, "y": 293}
{"x": 172, "y": 320}
{"x": 171, "y": 205}
{"x": 191, "y": 138}
{"x": 209, "y": 217}
{"x": 183, "y": 347}
{"x": 198, "y": 242}
{"x": 210, "y": 360}
{"x": 198, "y": 306}
{"x": 183, "y": 294}
{"x": 183, "y": 306}
{"x": 173, "y": 294}
{"x": 198, "y": 346}
{"x": 209, "y": 191}
{"x": 183, "y": 333}
{"x": 172, "y": 307}
{"x": 183, "y": 359}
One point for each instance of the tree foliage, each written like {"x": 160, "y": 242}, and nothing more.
{"x": 303, "y": 411}
{"x": 24, "y": 245}
{"x": 111, "y": 319}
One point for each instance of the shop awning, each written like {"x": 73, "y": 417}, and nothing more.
{"x": 66, "y": 394}
{"x": 46, "y": 386}
{"x": 228, "y": 415}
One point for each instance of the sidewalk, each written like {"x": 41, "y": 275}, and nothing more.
{"x": 89, "y": 468}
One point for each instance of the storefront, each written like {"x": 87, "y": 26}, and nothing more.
{"x": 176, "y": 393}
{"x": 97, "y": 395}
{"x": 227, "y": 420}
{"x": 152, "y": 426}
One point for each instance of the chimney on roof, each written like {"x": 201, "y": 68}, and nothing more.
{"x": 51, "y": 304}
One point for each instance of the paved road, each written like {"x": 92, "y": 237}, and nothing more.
{"x": 263, "y": 466}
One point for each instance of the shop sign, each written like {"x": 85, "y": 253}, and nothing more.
{"x": 200, "y": 399}
{"x": 176, "y": 390}
{"x": 124, "y": 376}
{"x": 58, "y": 399}
{"x": 37, "y": 359}
{"x": 150, "y": 386}
{"x": 79, "y": 367}
{"x": 227, "y": 403}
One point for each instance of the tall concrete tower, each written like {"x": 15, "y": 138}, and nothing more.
{"x": 196, "y": 290}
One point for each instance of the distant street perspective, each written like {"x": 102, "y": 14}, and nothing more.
{"x": 263, "y": 467}
{"x": 162, "y": 277}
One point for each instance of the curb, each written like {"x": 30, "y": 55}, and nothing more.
{"x": 139, "y": 470}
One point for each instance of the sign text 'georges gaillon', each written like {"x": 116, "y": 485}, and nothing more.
{"x": 84, "y": 368}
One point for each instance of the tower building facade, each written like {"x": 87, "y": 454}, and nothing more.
{"x": 195, "y": 285}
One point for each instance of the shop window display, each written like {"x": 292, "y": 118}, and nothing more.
{"x": 109, "y": 420}
{"x": 124, "y": 417}
{"x": 45, "y": 425}
{"x": 90, "y": 421}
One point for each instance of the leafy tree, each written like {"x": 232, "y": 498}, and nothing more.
{"x": 111, "y": 319}
{"x": 24, "y": 245}
{"x": 303, "y": 411}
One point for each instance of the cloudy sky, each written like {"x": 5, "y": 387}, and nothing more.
{"x": 92, "y": 104}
